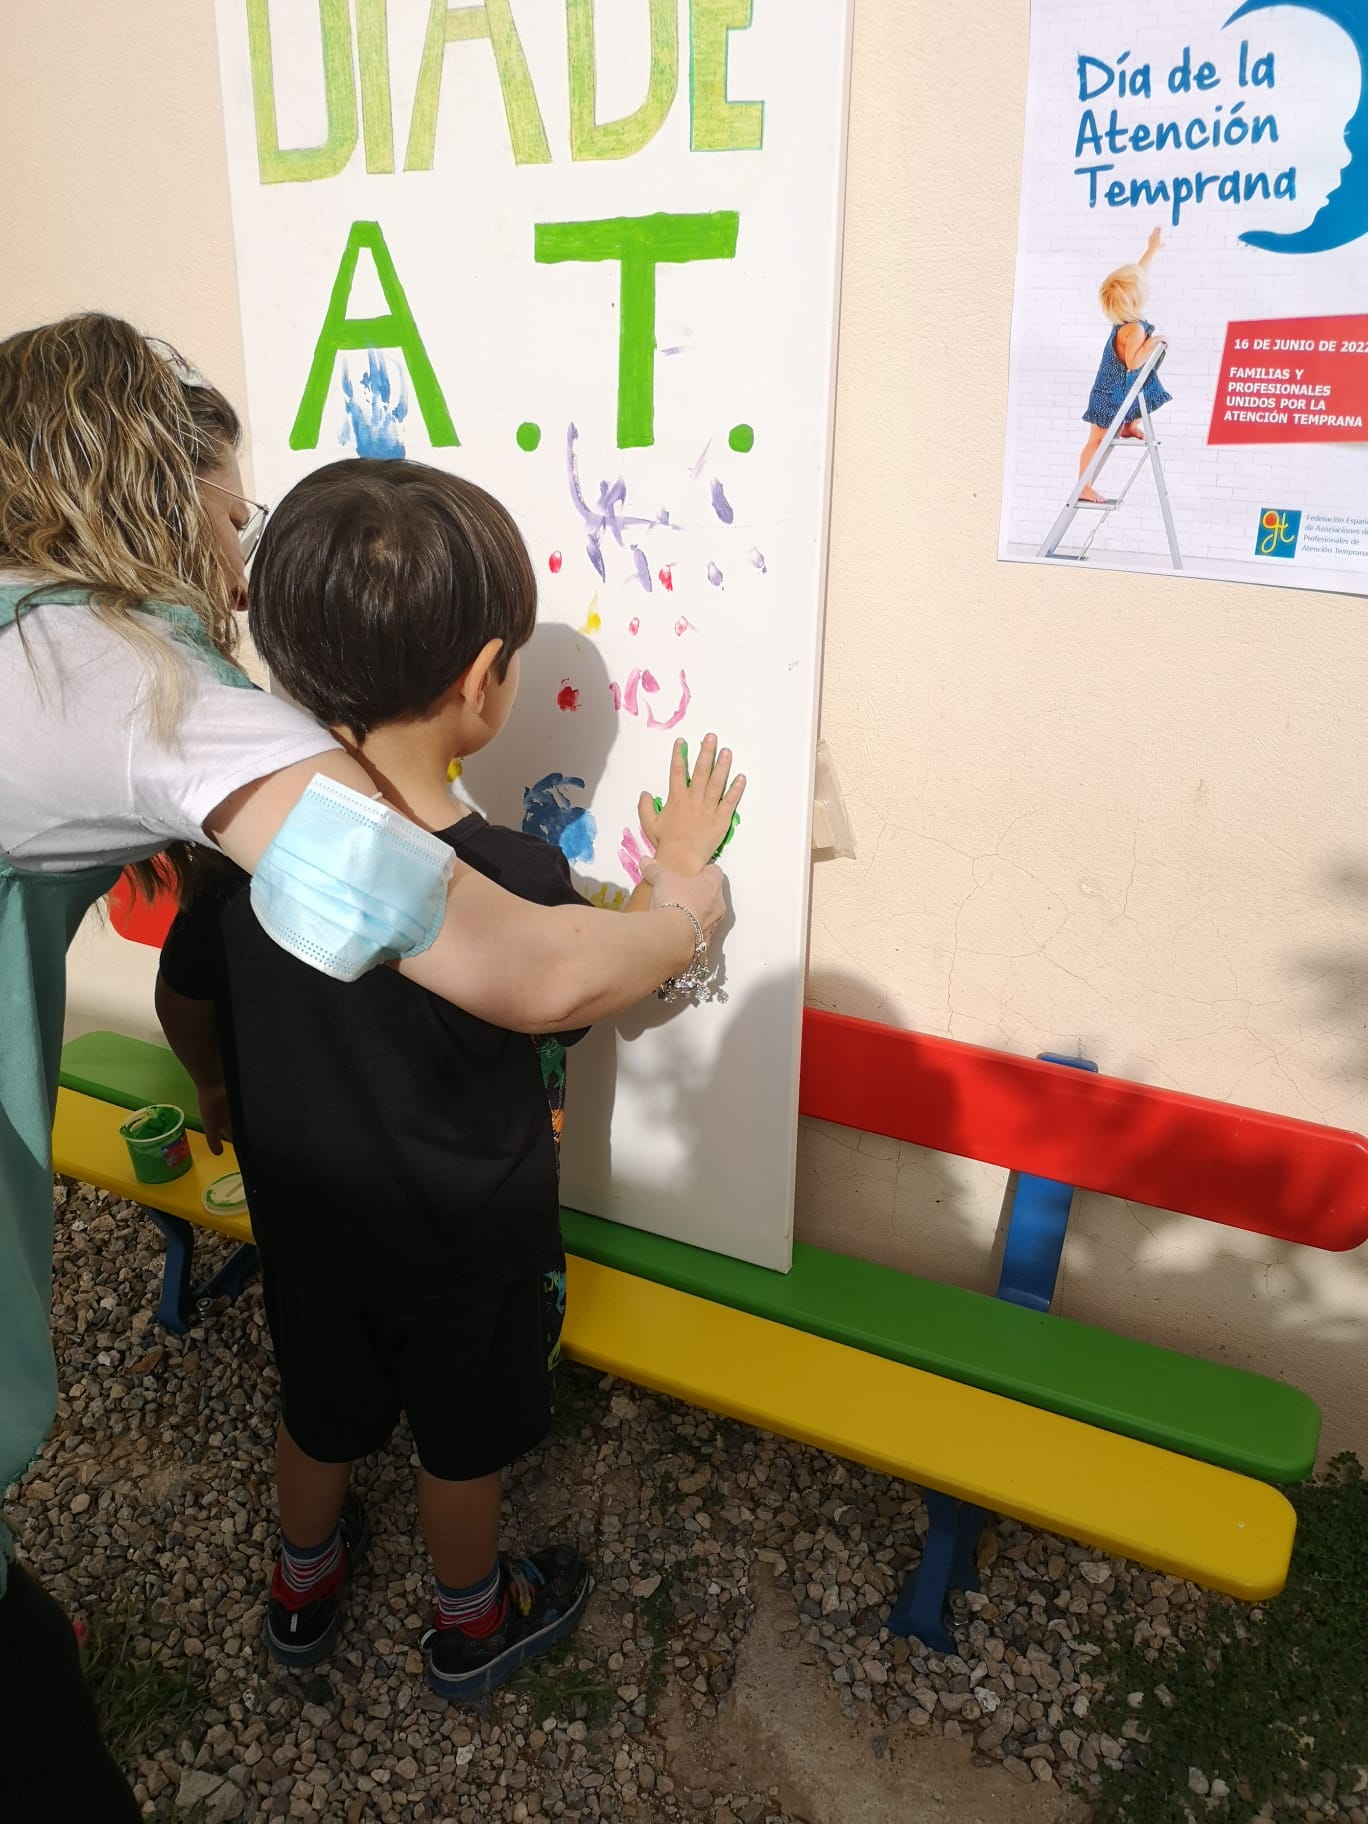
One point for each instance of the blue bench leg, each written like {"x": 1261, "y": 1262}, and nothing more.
{"x": 232, "y": 1276}
{"x": 179, "y": 1297}
{"x": 174, "y": 1311}
{"x": 947, "y": 1564}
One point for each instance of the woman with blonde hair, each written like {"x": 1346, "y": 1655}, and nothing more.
{"x": 127, "y": 731}
{"x": 1130, "y": 343}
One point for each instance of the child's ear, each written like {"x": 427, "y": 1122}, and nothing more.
{"x": 476, "y": 680}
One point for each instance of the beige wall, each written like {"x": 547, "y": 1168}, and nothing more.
{"x": 1125, "y": 814}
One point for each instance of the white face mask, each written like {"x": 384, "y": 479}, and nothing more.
{"x": 347, "y": 883}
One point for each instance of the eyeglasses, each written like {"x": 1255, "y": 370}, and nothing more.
{"x": 249, "y": 536}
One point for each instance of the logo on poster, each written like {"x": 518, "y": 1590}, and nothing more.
{"x": 1279, "y": 530}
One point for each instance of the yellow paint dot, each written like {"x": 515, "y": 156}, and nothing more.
{"x": 455, "y": 769}
{"x": 593, "y": 622}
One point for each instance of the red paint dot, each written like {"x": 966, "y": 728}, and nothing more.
{"x": 567, "y": 697}
{"x": 554, "y": 562}
{"x": 634, "y": 625}
{"x": 666, "y": 577}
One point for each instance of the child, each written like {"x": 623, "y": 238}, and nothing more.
{"x": 1129, "y": 346}
{"x": 397, "y": 1152}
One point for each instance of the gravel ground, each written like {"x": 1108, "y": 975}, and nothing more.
{"x": 156, "y": 1487}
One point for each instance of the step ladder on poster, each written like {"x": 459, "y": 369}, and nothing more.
{"x": 1101, "y": 510}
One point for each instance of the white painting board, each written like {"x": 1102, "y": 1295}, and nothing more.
{"x": 588, "y": 255}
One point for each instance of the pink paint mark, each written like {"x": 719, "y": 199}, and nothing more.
{"x": 567, "y": 697}
{"x": 627, "y": 698}
{"x": 634, "y": 625}
{"x": 554, "y": 562}
{"x": 667, "y": 576}
{"x": 683, "y": 626}
{"x": 652, "y": 721}
{"x": 634, "y": 852}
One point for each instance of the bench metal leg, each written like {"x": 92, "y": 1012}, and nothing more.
{"x": 947, "y": 1564}
{"x": 179, "y": 1297}
{"x": 174, "y": 1311}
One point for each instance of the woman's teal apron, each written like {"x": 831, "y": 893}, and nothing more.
{"x": 39, "y": 916}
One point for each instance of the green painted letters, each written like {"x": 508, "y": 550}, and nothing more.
{"x": 372, "y": 53}
{"x": 300, "y": 164}
{"x": 396, "y": 329}
{"x": 716, "y": 124}
{"x": 641, "y": 243}
{"x": 494, "y": 21}
{"x": 619, "y": 138}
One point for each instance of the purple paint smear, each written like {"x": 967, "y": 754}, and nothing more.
{"x": 714, "y": 576}
{"x": 643, "y": 568}
{"x": 606, "y": 516}
{"x": 374, "y": 423}
{"x": 757, "y": 558}
{"x": 721, "y": 505}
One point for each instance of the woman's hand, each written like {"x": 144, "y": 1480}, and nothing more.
{"x": 704, "y": 893}
{"x": 692, "y": 824}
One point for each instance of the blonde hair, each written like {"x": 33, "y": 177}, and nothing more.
{"x": 100, "y": 447}
{"x": 1122, "y": 294}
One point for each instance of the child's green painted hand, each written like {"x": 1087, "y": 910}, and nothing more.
{"x": 696, "y": 819}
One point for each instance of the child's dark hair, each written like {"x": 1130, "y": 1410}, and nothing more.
{"x": 377, "y": 585}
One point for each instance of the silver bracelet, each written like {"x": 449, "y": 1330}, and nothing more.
{"x": 696, "y": 982}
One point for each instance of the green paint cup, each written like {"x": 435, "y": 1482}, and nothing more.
{"x": 157, "y": 1144}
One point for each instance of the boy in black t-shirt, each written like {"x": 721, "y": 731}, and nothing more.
{"x": 398, "y": 1153}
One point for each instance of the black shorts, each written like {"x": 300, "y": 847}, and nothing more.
{"x": 474, "y": 1369}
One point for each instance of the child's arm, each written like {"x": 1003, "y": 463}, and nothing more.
{"x": 691, "y": 825}
{"x": 190, "y": 963}
{"x": 1134, "y": 347}
{"x": 1153, "y": 245}
{"x": 192, "y": 1033}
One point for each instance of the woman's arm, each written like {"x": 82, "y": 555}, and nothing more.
{"x": 528, "y": 968}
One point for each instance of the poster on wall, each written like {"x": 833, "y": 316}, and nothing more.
{"x": 587, "y": 254}
{"x": 1189, "y": 361}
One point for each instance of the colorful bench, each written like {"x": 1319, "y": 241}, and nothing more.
{"x": 987, "y": 1403}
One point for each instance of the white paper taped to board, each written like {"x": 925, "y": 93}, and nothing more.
{"x": 588, "y": 255}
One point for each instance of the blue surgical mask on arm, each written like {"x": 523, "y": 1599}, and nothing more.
{"x": 348, "y": 883}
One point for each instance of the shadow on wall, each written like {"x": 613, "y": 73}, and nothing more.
{"x": 1339, "y": 977}
{"x": 551, "y": 755}
{"x": 1295, "y": 1313}
{"x": 690, "y": 1107}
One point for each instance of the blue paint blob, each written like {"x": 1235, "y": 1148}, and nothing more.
{"x": 721, "y": 505}
{"x": 549, "y": 813}
{"x": 375, "y": 418}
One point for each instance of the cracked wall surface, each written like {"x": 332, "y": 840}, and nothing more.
{"x": 1121, "y": 815}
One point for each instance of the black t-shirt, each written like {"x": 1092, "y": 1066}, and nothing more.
{"x": 382, "y": 1133}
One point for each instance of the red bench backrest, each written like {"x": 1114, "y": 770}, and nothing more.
{"x": 1240, "y": 1167}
